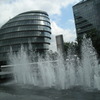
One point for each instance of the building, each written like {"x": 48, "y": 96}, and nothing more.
{"x": 60, "y": 43}
{"x": 28, "y": 27}
{"x": 87, "y": 20}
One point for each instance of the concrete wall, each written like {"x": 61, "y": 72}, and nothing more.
{"x": 60, "y": 43}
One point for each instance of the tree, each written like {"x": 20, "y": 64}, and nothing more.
{"x": 71, "y": 46}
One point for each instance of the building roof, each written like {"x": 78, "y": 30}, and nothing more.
{"x": 81, "y": 2}
{"x": 35, "y": 11}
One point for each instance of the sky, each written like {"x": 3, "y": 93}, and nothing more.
{"x": 60, "y": 14}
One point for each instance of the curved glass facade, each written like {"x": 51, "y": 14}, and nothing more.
{"x": 24, "y": 34}
{"x": 32, "y": 26}
{"x": 25, "y": 22}
{"x": 25, "y": 28}
{"x": 30, "y": 18}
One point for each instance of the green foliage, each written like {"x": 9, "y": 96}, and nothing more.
{"x": 72, "y": 46}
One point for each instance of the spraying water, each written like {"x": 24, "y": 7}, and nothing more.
{"x": 59, "y": 73}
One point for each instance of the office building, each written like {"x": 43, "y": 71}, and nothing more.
{"x": 87, "y": 20}
{"x": 28, "y": 27}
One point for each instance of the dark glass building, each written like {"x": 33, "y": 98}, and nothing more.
{"x": 29, "y": 27}
{"x": 87, "y": 19}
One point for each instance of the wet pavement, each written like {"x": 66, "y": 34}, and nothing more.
{"x": 29, "y": 92}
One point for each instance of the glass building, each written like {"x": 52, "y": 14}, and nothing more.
{"x": 87, "y": 18}
{"x": 29, "y": 27}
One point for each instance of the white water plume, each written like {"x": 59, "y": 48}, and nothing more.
{"x": 21, "y": 67}
{"x": 58, "y": 73}
{"x": 90, "y": 65}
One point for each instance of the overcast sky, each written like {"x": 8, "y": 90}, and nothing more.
{"x": 60, "y": 13}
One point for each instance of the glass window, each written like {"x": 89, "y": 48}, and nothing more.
{"x": 29, "y": 17}
{"x": 27, "y": 22}
{"x": 24, "y": 40}
{"x": 26, "y": 28}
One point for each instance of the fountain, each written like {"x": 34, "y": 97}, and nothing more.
{"x": 58, "y": 76}
{"x": 59, "y": 73}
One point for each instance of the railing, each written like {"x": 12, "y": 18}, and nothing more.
{"x": 7, "y": 69}
{"x": 5, "y": 73}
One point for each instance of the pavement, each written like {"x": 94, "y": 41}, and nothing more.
{"x": 30, "y": 92}
{"x": 6, "y": 96}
